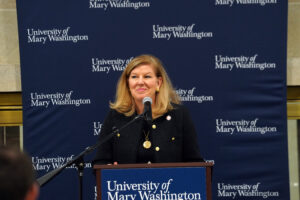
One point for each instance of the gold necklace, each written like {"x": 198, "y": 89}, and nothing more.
{"x": 147, "y": 143}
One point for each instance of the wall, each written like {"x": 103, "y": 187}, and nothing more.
{"x": 293, "y": 62}
{"x": 9, "y": 48}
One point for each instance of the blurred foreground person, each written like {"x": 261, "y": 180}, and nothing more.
{"x": 17, "y": 178}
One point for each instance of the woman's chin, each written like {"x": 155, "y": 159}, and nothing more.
{"x": 141, "y": 97}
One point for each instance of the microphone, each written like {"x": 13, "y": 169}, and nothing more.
{"x": 147, "y": 101}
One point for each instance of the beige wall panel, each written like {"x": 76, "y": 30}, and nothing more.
{"x": 293, "y": 159}
{"x": 293, "y": 61}
{"x": 10, "y": 78}
{"x": 7, "y": 4}
{"x": 9, "y": 44}
{"x": 293, "y": 72}
{"x": 294, "y": 30}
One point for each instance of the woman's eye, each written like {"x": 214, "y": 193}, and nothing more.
{"x": 147, "y": 76}
{"x": 133, "y": 76}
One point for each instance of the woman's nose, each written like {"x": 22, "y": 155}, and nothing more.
{"x": 140, "y": 80}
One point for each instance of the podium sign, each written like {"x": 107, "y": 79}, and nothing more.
{"x": 154, "y": 181}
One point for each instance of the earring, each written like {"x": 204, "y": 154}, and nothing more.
{"x": 157, "y": 89}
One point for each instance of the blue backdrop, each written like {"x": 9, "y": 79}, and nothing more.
{"x": 227, "y": 60}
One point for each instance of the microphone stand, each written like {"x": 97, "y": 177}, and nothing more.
{"x": 79, "y": 159}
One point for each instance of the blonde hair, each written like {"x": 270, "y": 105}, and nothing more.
{"x": 124, "y": 102}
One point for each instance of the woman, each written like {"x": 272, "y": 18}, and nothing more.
{"x": 170, "y": 137}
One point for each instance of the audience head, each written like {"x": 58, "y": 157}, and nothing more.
{"x": 17, "y": 178}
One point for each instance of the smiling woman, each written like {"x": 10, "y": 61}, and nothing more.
{"x": 143, "y": 82}
{"x": 142, "y": 68}
{"x": 170, "y": 137}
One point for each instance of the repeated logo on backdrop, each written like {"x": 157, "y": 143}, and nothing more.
{"x": 47, "y": 164}
{"x": 113, "y": 4}
{"x": 97, "y": 128}
{"x": 244, "y": 2}
{"x": 168, "y": 32}
{"x": 246, "y": 127}
{"x": 189, "y": 95}
{"x": 43, "y": 36}
{"x": 56, "y": 99}
{"x": 244, "y": 191}
{"x": 242, "y": 63}
{"x": 109, "y": 65}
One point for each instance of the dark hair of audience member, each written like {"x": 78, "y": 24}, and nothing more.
{"x": 16, "y": 174}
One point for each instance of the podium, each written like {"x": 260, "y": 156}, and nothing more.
{"x": 160, "y": 181}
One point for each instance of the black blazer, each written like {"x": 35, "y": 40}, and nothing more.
{"x": 173, "y": 138}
